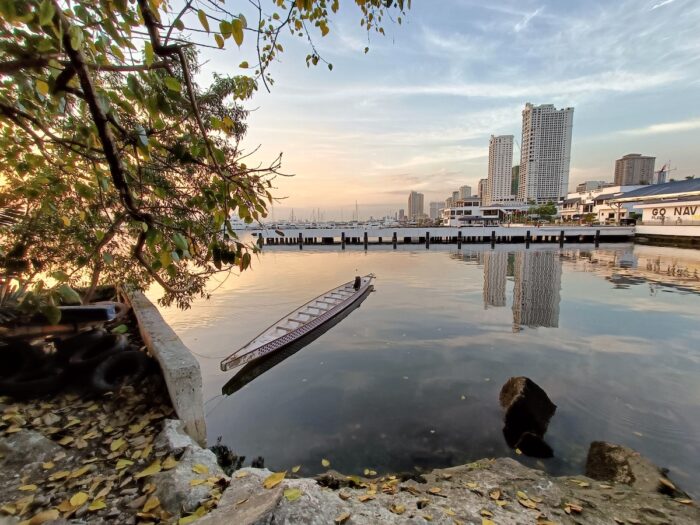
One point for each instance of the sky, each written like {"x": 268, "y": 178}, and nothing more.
{"x": 416, "y": 111}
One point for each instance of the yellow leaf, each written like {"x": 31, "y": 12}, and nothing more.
{"x": 200, "y": 469}
{"x": 187, "y": 520}
{"x": 153, "y": 468}
{"x": 398, "y": 509}
{"x": 296, "y": 468}
{"x": 117, "y": 444}
{"x": 65, "y": 441}
{"x": 195, "y": 482}
{"x": 518, "y": 451}
{"x": 28, "y": 488}
{"x": 170, "y": 462}
{"x": 274, "y": 479}
{"x": 241, "y": 474}
{"x": 152, "y": 503}
{"x": 44, "y": 517}
{"x": 325, "y": 463}
{"x": 65, "y": 506}
{"x": 9, "y": 508}
{"x": 435, "y": 490}
{"x": 486, "y": 521}
{"x": 79, "y": 472}
{"x": 78, "y": 499}
{"x": 123, "y": 463}
{"x": 42, "y": 87}
{"x": 48, "y": 465}
{"x": 495, "y": 494}
{"x": 292, "y": 494}
{"x": 345, "y": 516}
{"x": 138, "y": 427}
{"x": 98, "y": 504}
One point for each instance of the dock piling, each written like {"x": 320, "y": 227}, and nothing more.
{"x": 393, "y": 240}
{"x": 365, "y": 240}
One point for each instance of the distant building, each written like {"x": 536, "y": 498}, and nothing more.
{"x": 590, "y": 185}
{"x": 465, "y": 192}
{"x": 402, "y": 215}
{"x": 500, "y": 172}
{"x": 481, "y": 191}
{"x": 449, "y": 202}
{"x": 415, "y": 205}
{"x": 634, "y": 169}
{"x": 545, "y": 153}
{"x": 435, "y": 208}
{"x": 455, "y": 196}
{"x": 515, "y": 180}
{"x": 595, "y": 205}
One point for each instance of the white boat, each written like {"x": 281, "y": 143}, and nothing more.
{"x": 301, "y": 321}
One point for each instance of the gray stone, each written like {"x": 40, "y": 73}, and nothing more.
{"x": 26, "y": 446}
{"x": 618, "y": 464}
{"x": 173, "y": 438}
{"x": 173, "y": 486}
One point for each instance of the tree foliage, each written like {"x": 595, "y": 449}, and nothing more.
{"x": 547, "y": 210}
{"x": 125, "y": 170}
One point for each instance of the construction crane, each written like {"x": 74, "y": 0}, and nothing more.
{"x": 663, "y": 172}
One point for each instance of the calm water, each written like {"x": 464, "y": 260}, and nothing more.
{"x": 412, "y": 377}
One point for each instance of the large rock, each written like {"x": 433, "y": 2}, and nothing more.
{"x": 173, "y": 486}
{"x": 173, "y": 438}
{"x": 618, "y": 464}
{"x": 26, "y": 446}
{"x": 528, "y": 411}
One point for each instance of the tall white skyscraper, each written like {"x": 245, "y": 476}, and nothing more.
{"x": 435, "y": 208}
{"x": 415, "y": 205}
{"x": 545, "y": 153}
{"x": 500, "y": 174}
{"x": 465, "y": 192}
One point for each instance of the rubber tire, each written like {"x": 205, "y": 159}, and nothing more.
{"x": 129, "y": 366}
{"x": 68, "y": 346}
{"x": 91, "y": 355}
{"x": 18, "y": 357}
{"x": 44, "y": 380}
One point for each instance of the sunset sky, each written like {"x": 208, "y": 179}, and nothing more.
{"x": 416, "y": 112}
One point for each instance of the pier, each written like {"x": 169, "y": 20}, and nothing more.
{"x": 446, "y": 235}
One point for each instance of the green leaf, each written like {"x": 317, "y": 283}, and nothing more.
{"x": 180, "y": 241}
{"x": 292, "y": 494}
{"x": 237, "y": 31}
{"x": 243, "y": 65}
{"x": 68, "y": 295}
{"x": 164, "y": 258}
{"x": 225, "y": 28}
{"x": 203, "y": 19}
{"x": 121, "y": 329}
{"x": 51, "y": 312}
{"x": 219, "y": 40}
{"x": 60, "y": 276}
{"x": 46, "y": 12}
{"x": 173, "y": 84}
{"x": 148, "y": 50}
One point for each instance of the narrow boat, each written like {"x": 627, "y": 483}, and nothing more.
{"x": 301, "y": 321}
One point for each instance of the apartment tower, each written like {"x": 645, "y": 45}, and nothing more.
{"x": 415, "y": 205}
{"x": 500, "y": 169}
{"x": 545, "y": 153}
{"x": 634, "y": 169}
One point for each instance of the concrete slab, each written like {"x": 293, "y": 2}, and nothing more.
{"x": 180, "y": 369}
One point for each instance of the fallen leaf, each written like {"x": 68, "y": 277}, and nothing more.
{"x": 486, "y": 521}
{"x": 344, "y": 495}
{"x": 28, "y": 488}
{"x": 365, "y": 497}
{"x": 345, "y": 516}
{"x": 666, "y": 483}
{"x": 427, "y": 517}
{"x": 501, "y": 503}
{"x": 449, "y": 512}
{"x": 170, "y": 462}
{"x": 48, "y": 465}
{"x": 78, "y": 499}
{"x": 292, "y": 494}
{"x": 152, "y": 503}
{"x": 65, "y": 506}
{"x": 188, "y": 519}
{"x": 241, "y": 474}
{"x": 123, "y": 463}
{"x": 153, "y": 468}
{"x": 296, "y": 468}
{"x": 518, "y": 451}
{"x": 44, "y": 516}
{"x": 195, "y": 482}
{"x": 79, "y": 472}
{"x": 486, "y": 513}
{"x": 117, "y": 444}
{"x": 9, "y": 508}
{"x": 397, "y": 509}
{"x": 684, "y": 501}
{"x": 97, "y": 504}
{"x": 435, "y": 490}
{"x": 200, "y": 469}
{"x": 495, "y": 494}
{"x": 67, "y": 440}
{"x": 274, "y": 479}
{"x": 573, "y": 507}
{"x": 325, "y": 463}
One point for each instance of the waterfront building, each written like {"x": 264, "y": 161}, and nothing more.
{"x": 515, "y": 180}
{"x": 495, "y": 275}
{"x": 500, "y": 172}
{"x": 402, "y": 215}
{"x": 595, "y": 205}
{"x": 481, "y": 190}
{"x": 545, "y": 153}
{"x": 634, "y": 169}
{"x": 415, "y": 205}
{"x": 435, "y": 208}
{"x": 470, "y": 212}
{"x": 536, "y": 292}
{"x": 671, "y": 203}
{"x": 465, "y": 192}
{"x": 455, "y": 196}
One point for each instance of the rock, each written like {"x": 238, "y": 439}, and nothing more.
{"x": 26, "y": 446}
{"x": 173, "y": 437}
{"x": 174, "y": 490}
{"x": 618, "y": 464}
{"x": 528, "y": 410}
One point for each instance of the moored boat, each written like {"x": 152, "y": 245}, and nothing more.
{"x": 301, "y": 321}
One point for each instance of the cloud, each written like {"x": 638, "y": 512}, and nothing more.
{"x": 661, "y": 4}
{"x": 666, "y": 127}
{"x": 526, "y": 20}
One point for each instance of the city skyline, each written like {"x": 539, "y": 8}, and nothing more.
{"x": 416, "y": 111}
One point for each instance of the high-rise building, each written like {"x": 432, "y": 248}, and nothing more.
{"x": 481, "y": 191}
{"x": 402, "y": 215}
{"x": 455, "y": 196}
{"x": 515, "y": 180}
{"x": 449, "y": 202}
{"x": 465, "y": 192}
{"x": 545, "y": 153}
{"x": 536, "y": 292}
{"x": 500, "y": 169}
{"x": 634, "y": 169}
{"x": 589, "y": 185}
{"x": 435, "y": 208}
{"x": 415, "y": 205}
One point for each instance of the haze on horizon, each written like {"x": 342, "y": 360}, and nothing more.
{"x": 416, "y": 112}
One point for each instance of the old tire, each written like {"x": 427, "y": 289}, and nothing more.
{"x": 65, "y": 348}
{"x": 18, "y": 357}
{"x": 39, "y": 382}
{"x": 96, "y": 350}
{"x": 117, "y": 369}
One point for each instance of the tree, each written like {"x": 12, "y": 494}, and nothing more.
{"x": 546, "y": 211}
{"x": 124, "y": 169}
